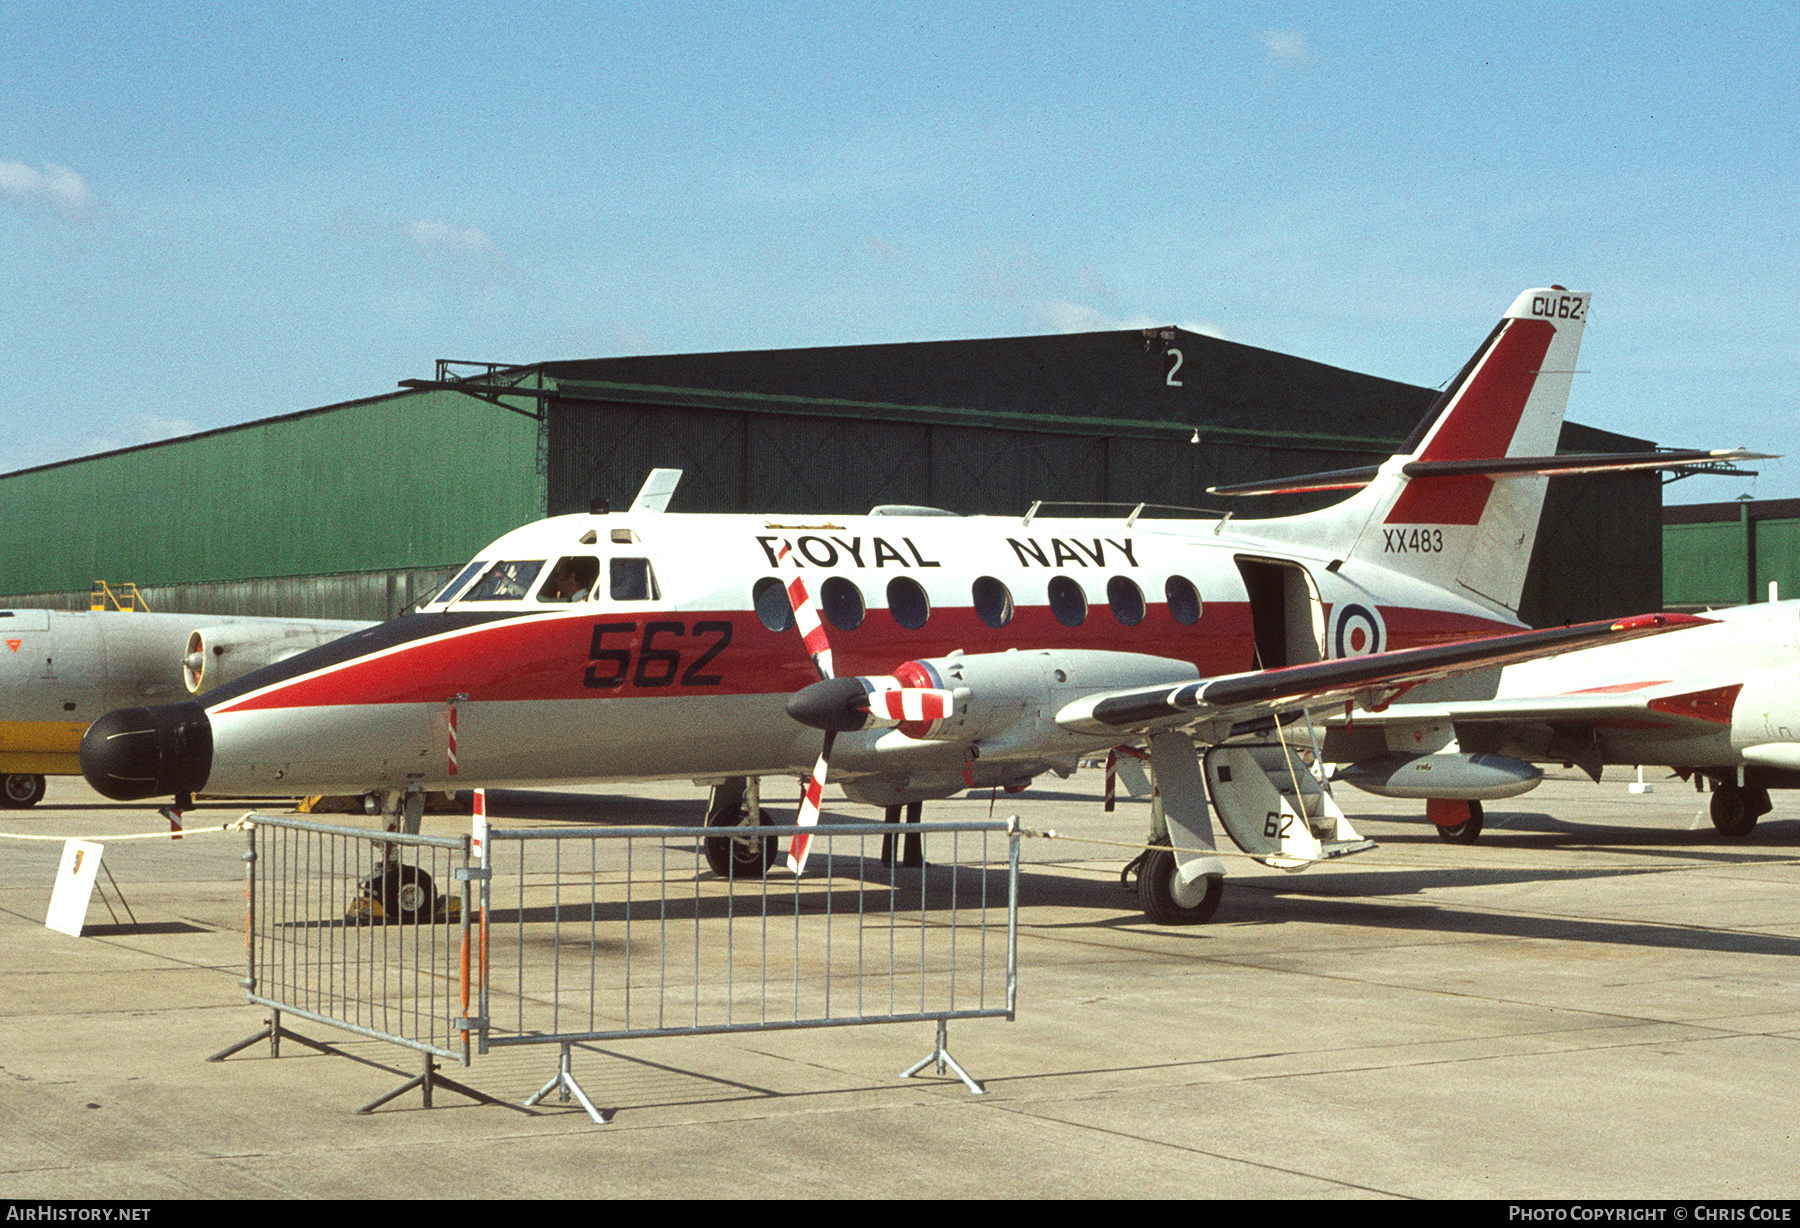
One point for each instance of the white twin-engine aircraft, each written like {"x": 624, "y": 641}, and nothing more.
{"x": 1718, "y": 704}
{"x": 59, "y": 669}
{"x": 910, "y": 654}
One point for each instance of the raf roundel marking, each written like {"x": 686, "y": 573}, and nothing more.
{"x": 1357, "y": 631}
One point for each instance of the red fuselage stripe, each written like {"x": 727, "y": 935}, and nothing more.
{"x": 660, "y": 652}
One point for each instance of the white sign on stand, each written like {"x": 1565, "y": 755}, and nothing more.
{"x": 74, "y": 886}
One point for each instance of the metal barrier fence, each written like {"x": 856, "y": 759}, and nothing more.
{"x": 363, "y": 930}
{"x": 589, "y": 934}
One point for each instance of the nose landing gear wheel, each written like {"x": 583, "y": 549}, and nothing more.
{"x": 738, "y": 856}
{"x": 396, "y": 893}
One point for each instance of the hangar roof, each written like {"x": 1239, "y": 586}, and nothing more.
{"x": 1150, "y": 381}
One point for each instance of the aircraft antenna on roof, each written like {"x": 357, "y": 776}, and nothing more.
{"x": 657, "y": 490}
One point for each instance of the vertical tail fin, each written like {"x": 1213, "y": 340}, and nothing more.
{"x": 1470, "y": 533}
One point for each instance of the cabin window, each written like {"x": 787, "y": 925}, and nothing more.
{"x": 572, "y": 579}
{"x": 908, "y": 603}
{"x": 993, "y": 603}
{"x": 507, "y": 581}
{"x": 771, "y": 601}
{"x": 841, "y": 602}
{"x": 1067, "y": 601}
{"x": 462, "y": 577}
{"x": 631, "y": 580}
{"x": 1184, "y": 600}
{"x": 1126, "y": 600}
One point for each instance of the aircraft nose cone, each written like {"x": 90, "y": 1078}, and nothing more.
{"x": 837, "y": 704}
{"x": 135, "y": 753}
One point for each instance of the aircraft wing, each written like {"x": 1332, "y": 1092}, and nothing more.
{"x": 1372, "y": 682}
{"x": 1664, "y": 704}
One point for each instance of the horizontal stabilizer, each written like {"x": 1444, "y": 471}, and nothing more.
{"x": 1503, "y": 467}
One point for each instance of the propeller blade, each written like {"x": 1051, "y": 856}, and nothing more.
{"x": 809, "y": 808}
{"x": 806, "y": 618}
{"x": 818, "y": 645}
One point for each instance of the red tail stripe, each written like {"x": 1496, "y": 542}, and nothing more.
{"x": 1479, "y": 426}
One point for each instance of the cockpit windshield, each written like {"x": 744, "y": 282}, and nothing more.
{"x": 462, "y": 577}
{"x": 509, "y": 580}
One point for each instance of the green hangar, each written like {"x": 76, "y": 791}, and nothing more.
{"x": 360, "y": 509}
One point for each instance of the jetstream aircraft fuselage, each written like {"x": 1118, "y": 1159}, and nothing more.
{"x": 916, "y": 653}
{"x": 682, "y": 661}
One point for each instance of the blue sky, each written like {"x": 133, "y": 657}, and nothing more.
{"x": 211, "y": 213}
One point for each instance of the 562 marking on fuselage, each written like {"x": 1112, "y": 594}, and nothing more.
{"x": 647, "y": 664}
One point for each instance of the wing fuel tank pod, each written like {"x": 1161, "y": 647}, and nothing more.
{"x": 137, "y": 753}
{"x": 1456, "y": 777}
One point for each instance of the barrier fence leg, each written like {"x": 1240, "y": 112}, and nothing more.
{"x": 565, "y": 1084}
{"x": 273, "y": 1034}
{"x": 425, "y": 1081}
{"x": 941, "y": 1056}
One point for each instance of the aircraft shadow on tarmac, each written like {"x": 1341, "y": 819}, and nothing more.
{"x": 1347, "y": 898}
{"x": 1338, "y": 895}
{"x": 1513, "y": 829}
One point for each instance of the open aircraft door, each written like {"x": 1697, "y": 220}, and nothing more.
{"x": 1275, "y": 809}
{"x": 1285, "y": 612}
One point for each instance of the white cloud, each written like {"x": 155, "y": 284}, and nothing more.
{"x": 441, "y": 238}
{"x": 50, "y": 184}
{"x": 429, "y": 246}
{"x": 1287, "y": 46}
{"x": 459, "y": 253}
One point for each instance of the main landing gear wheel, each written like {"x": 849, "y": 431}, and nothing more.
{"x": 21, "y": 790}
{"x": 1735, "y": 810}
{"x": 1168, "y": 904}
{"x": 741, "y": 856}
{"x": 1466, "y": 832}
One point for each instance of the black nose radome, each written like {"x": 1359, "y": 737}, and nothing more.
{"x": 136, "y": 753}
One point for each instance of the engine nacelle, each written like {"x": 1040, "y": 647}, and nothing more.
{"x": 1006, "y": 702}
{"x": 1450, "y": 775}
{"x": 1001, "y": 705}
{"x": 227, "y": 651}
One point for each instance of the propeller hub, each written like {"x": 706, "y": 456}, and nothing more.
{"x": 838, "y": 705}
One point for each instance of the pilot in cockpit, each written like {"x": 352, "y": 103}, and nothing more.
{"x": 571, "y": 581}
